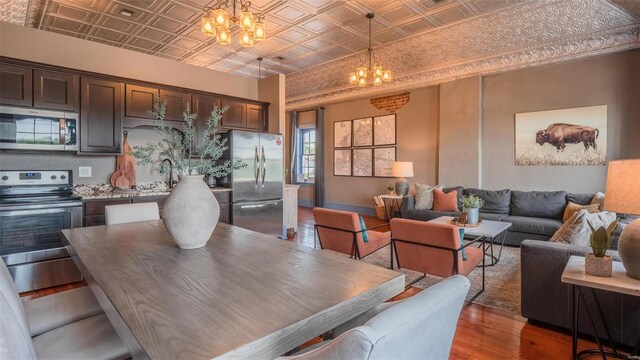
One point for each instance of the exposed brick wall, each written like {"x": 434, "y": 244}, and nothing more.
{"x": 391, "y": 103}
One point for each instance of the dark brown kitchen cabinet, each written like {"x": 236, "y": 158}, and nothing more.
{"x": 101, "y": 116}
{"x": 54, "y": 90}
{"x": 236, "y": 115}
{"x": 225, "y": 214}
{"x": 139, "y": 101}
{"x": 16, "y": 85}
{"x": 256, "y": 117}
{"x": 177, "y": 102}
{"x": 202, "y": 106}
{"x": 93, "y": 214}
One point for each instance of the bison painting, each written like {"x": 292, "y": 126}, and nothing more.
{"x": 561, "y": 134}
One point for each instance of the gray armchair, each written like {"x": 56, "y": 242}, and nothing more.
{"x": 420, "y": 327}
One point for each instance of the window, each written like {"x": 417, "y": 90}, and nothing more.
{"x": 306, "y": 155}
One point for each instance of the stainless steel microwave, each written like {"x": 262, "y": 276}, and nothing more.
{"x": 32, "y": 129}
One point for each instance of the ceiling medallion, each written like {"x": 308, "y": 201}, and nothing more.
{"x": 252, "y": 27}
{"x": 380, "y": 74}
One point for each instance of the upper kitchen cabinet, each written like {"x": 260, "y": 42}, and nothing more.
{"x": 177, "y": 103}
{"x": 16, "y": 85}
{"x": 257, "y": 117}
{"x": 202, "y": 106}
{"x": 54, "y": 90}
{"x": 139, "y": 101}
{"x": 101, "y": 116}
{"x": 236, "y": 114}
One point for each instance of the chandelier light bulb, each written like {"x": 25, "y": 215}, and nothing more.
{"x": 246, "y": 38}
{"x": 246, "y": 20}
{"x": 362, "y": 82}
{"x": 220, "y": 17}
{"x": 377, "y": 80}
{"x": 208, "y": 28}
{"x": 377, "y": 71}
{"x": 353, "y": 78}
{"x": 362, "y": 71}
{"x": 260, "y": 31}
{"x": 386, "y": 75}
{"x": 224, "y": 37}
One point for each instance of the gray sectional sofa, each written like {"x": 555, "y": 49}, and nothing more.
{"x": 534, "y": 215}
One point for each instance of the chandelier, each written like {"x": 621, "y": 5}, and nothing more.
{"x": 380, "y": 74}
{"x": 252, "y": 28}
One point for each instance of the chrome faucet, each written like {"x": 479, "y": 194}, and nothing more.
{"x": 170, "y": 171}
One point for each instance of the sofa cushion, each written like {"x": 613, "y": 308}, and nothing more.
{"x": 460, "y": 191}
{"x": 445, "y": 202}
{"x": 580, "y": 199}
{"x": 533, "y": 225}
{"x": 598, "y": 198}
{"x": 426, "y": 215}
{"x": 424, "y": 196}
{"x": 543, "y": 204}
{"x": 576, "y": 230}
{"x": 492, "y": 217}
{"x": 495, "y": 202}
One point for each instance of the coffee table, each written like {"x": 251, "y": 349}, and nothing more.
{"x": 487, "y": 231}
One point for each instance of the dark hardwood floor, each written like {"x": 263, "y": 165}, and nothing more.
{"x": 482, "y": 332}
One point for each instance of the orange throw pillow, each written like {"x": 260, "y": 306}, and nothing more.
{"x": 445, "y": 202}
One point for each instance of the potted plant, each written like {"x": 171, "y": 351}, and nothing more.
{"x": 391, "y": 189}
{"x": 599, "y": 263}
{"x": 191, "y": 211}
{"x": 471, "y": 205}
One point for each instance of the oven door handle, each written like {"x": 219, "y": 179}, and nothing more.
{"x": 41, "y": 206}
{"x": 34, "y": 212}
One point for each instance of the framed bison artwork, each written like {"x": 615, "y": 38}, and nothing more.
{"x": 575, "y": 136}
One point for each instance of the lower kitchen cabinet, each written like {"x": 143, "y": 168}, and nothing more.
{"x": 93, "y": 213}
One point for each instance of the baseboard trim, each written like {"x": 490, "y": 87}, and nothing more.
{"x": 306, "y": 203}
{"x": 362, "y": 210}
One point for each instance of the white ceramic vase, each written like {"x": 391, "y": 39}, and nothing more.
{"x": 191, "y": 212}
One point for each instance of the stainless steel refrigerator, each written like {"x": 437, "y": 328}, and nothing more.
{"x": 257, "y": 188}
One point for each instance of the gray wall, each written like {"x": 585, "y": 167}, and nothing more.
{"x": 612, "y": 80}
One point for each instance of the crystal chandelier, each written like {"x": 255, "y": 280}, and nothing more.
{"x": 380, "y": 74}
{"x": 252, "y": 27}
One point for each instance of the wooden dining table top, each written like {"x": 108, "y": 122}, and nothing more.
{"x": 243, "y": 295}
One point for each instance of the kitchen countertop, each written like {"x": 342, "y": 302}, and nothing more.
{"x": 106, "y": 191}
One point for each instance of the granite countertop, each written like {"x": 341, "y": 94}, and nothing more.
{"x": 106, "y": 191}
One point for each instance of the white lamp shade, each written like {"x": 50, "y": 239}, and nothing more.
{"x": 402, "y": 169}
{"x": 622, "y": 194}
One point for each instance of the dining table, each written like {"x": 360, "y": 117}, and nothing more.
{"x": 244, "y": 295}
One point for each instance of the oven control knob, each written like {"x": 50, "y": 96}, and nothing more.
{"x": 5, "y": 178}
{"x": 63, "y": 177}
{"x": 53, "y": 177}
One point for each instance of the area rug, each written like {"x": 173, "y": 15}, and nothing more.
{"x": 502, "y": 281}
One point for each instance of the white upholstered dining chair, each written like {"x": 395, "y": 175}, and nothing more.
{"x": 127, "y": 213}
{"x": 420, "y": 327}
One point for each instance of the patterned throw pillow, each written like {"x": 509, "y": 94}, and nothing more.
{"x": 424, "y": 196}
{"x": 576, "y": 231}
{"x": 599, "y": 200}
{"x": 573, "y": 208}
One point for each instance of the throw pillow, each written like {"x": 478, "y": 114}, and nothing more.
{"x": 573, "y": 208}
{"x": 462, "y": 252}
{"x": 445, "y": 202}
{"x": 598, "y": 199}
{"x": 365, "y": 236}
{"x": 424, "y": 196}
{"x": 576, "y": 231}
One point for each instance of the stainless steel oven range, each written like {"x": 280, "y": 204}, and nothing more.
{"x": 34, "y": 207}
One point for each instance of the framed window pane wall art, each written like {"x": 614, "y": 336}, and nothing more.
{"x": 342, "y": 131}
{"x": 383, "y": 159}
{"x": 363, "y": 162}
{"x": 341, "y": 162}
{"x": 363, "y": 132}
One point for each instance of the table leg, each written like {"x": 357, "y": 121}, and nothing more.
{"x": 574, "y": 324}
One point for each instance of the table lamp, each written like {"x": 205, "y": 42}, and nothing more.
{"x": 623, "y": 196}
{"x": 402, "y": 170}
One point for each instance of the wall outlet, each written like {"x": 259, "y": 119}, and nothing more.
{"x": 84, "y": 171}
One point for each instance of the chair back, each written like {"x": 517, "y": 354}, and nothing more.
{"x": 15, "y": 337}
{"x": 128, "y": 213}
{"x": 420, "y": 327}
{"x": 426, "y": 247}
{"x": 337, "y": 240}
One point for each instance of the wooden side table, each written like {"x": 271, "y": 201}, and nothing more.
{"x": 619, "y": 282}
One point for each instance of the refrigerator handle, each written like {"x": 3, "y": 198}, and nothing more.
{"x": 256, "y": 163}
{"x": 264, "y": 166}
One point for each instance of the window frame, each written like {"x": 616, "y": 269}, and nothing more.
{"x": 300, "y": 154}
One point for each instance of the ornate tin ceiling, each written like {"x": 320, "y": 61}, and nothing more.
{"x": 320, "y": 41}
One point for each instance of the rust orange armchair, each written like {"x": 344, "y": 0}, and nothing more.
{"x": 340, "y": 231}
{"x": 434, "y": 249}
